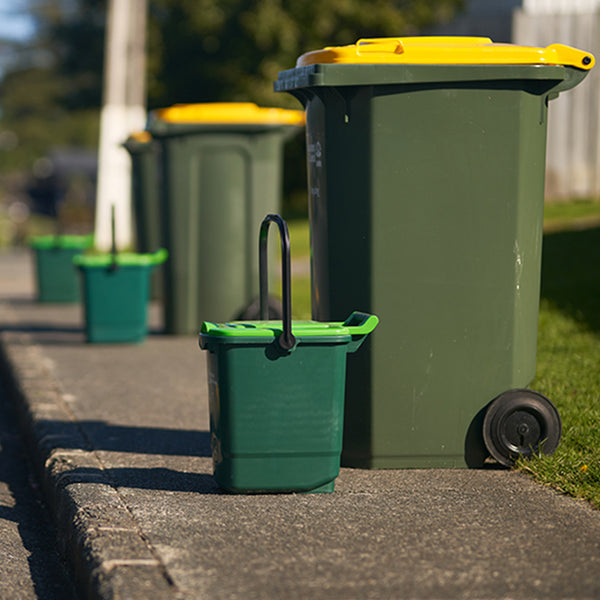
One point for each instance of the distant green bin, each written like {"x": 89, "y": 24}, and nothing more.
{"x": 56, "y": 278}
{"x": 276, "y": 394}
{"x": 145, "y": 184}
{"x": 221, "y": 173}
{"x": 145, "y": 180}
{"x": 426, "y": 177}
{"x": 116, "y": 294}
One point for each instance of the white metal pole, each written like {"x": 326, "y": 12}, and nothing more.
{"x": 123, "y": 112}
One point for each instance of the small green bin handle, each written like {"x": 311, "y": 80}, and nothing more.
{"x": 286, "y": 340}
{"x": 360, "y": 325}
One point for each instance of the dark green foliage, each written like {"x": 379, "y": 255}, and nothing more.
{"x": 51, "y": 93}
{"x": 198, "y": 51}
{"x": 232, "y": 50}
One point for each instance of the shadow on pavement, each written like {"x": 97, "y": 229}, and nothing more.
{"x": 151, "y": 478}
{"x": 147, "y": 440}
{"x": 100, "y": 435}
{"x": 34, "y": 328}
{"x": 51, "y": 334}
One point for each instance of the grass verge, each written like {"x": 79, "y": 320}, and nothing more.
{"x": 568, "y": 363}
{"x": 568, "y": 374}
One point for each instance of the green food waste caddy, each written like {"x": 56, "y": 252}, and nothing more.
{"x": 426, "y": 189}
{"x": 276, "y": 393}
{"x": 116, "y": 290}
{"x": 56, "y": 279}
{"x": 221, "y": 173}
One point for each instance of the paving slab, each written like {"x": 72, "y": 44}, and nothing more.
{"x": 120, "y": 436}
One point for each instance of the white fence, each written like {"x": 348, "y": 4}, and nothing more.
{"x": 573, "y": 154}
{"x": 555, "y": 7}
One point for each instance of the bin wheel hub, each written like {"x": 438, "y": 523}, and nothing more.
{"x": 521, "y": 423}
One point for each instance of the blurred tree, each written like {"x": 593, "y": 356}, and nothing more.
{"x": 50, "y": 93}
{"x": 198, "y": 51}
{"x": 216, "y": 50}
{"x": 232, "y": 50}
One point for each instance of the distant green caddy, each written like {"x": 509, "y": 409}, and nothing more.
{"x": 56, "y": 278}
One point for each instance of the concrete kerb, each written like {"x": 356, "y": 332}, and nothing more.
{"x": 97, "y": 532}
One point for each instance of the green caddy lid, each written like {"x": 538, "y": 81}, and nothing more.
{"x": 122, "y": 259}
{"x": 61, "y": 241}
{"x": 272, "y": 329}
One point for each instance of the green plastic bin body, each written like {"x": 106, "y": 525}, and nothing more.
{"x": 116, "y": 303}
{"x": 426, "y": 190}
{"x": 56, "y": 278}
{"x": 218, "y": 181}
{"x": 146, "y": 199}
{"x": 116, "y": 299}
{"x": 276, "y": 417}
{"x": 145, "y": 187}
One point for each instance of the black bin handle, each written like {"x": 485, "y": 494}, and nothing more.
{"x": 286, "y": 340}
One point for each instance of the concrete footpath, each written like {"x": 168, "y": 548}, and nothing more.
{"x": 119, "y": 436}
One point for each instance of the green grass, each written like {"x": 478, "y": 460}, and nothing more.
{"x": 568, "y": 373}
{"x": 299, "y": 238}
{"x": 561, "y": 213}
{"x": 568, "y": 363}
{"x": 300, "y": 251}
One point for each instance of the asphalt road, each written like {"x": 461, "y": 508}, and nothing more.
{"x": 31, "y": 567}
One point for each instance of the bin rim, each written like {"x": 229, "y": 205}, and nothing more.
{"x": 229, "y": 113}
{"x": 446, "y": 50}
{"x": 61, "y": 241}
{"x": 309, "y": 329}
{"x": 125, "y": 259}
{"x": 141, "y": 137}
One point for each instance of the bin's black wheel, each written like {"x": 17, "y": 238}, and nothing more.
{"x": 521, "y": 423}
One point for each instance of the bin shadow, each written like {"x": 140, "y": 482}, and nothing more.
{"x": 102, "y": 436}
{"x": 51, "y": 334}
{"x": 571, "y": 274}
{"x": 20, "y": 300}
{"x": 147, "y": 440}
{"x": 162, "y": 479}
{"x": 145, "y": 478}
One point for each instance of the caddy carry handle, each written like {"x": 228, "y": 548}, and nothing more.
{"x": 113, "y": 240}
{"x": 286, "y": 340}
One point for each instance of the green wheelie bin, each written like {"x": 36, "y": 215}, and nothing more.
{"x": 144, "y": 177}
{"x": 145, "y": 199}
{"x": 426, "y": 188}
{"x": 221, "y": 173}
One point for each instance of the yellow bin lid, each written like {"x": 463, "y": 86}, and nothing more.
{"x": 224, "y": 113}
{"x": 442, "y": 50}
{"x": 143, "y": 137}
